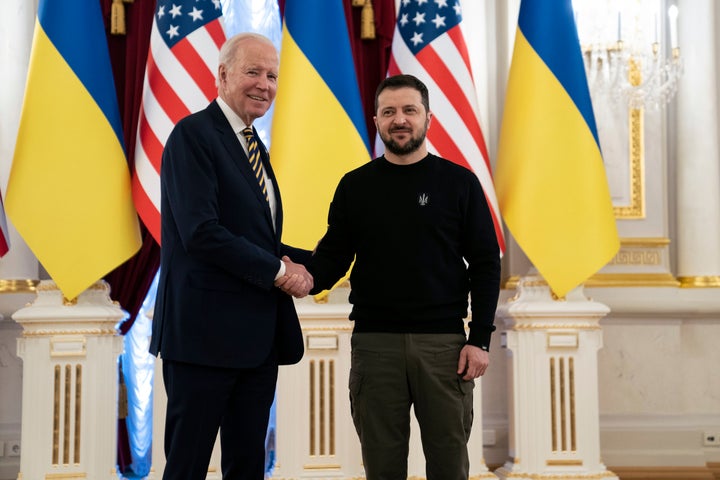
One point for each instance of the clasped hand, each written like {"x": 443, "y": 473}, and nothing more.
{"x": 297, "y": 281}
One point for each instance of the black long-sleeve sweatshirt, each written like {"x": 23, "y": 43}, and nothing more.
{"x": 423, "y": 239}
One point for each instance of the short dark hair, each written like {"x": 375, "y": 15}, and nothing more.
{"x": 401, "y": 81}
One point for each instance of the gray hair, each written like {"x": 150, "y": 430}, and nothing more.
{"x": 229, "y": 49}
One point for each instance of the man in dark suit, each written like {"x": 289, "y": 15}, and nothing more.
{"x": 224, "y": 318}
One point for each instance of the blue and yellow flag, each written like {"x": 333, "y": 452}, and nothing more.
{"x": 550, "y": 179}
{"x": 69, "y": 188}
{"x": 318, "y": 128}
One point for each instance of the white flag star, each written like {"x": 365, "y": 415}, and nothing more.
{"x": 172, "y": 31}
{"x": 196, "y": 14}
{"x": 175, "y": 10}
{"x": 416, "y": 38}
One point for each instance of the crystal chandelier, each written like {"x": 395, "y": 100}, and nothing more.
{"x": 631, "y": 66}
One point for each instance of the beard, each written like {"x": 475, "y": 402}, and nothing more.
{"x": 412, "y": 145}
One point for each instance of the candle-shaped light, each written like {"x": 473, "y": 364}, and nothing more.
{"x": 657, "y": 28}
{"x": 619, "y": 37}
{"x": 672, "y": 16}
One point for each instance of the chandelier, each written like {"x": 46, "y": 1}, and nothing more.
{"x": 623, "y": 52}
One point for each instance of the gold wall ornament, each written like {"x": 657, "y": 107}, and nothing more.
{"x": 19, "y": 286}
{"x": 636, "y": 208}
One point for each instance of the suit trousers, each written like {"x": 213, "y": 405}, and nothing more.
{"x": 389, "y": 373}
{"x": 203, "y": 399}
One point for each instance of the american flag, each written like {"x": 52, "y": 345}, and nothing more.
{"x": 4, "y": 236}
{"x": 179, "y": 79}
{"x": 428, "y": 43}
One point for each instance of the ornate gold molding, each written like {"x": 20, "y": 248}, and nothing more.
{"x": 564, "y": 463}
{"x": 19, "y": 286}
{"x": 569, "y": 476}
{"x": 323, "y": 466}
{"x": 536, "y": 325}
{"x": 652, "y": 242}
{"x": 632, "y": 280}
{"x": 65, "y": 476}
{"x": 666, "y": 473}
{"x": 313, "y": 328}
{"x": 84, "y": 331}
{"x": 634, "y": 257}
{"x": 617, "y": 280}
{"x": 708, "y": 281}
{"x": 472, "y": 477}
{"x": 636, "y": 127}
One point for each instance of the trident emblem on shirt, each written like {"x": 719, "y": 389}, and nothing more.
{"x": 423, "y": 199}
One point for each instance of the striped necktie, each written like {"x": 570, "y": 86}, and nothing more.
{"x": 254, "y": 158}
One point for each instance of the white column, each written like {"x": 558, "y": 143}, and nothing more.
{"x": 70, "y": 384}
{"x": 698, "y": 148}
{"x": 554, "y": 415}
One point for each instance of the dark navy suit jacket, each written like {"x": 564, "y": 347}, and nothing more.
{"x": 216, "y": 303}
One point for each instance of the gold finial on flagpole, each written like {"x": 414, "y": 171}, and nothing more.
{"x": 367, "y": 21}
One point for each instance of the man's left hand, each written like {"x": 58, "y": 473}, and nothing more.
{"x": 473, "y": 362}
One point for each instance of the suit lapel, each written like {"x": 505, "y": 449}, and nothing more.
{"x": 265, "y": 158}
{"x": 237, "y": 155}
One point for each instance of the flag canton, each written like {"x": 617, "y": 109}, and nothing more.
{"x": 422, "y": 21}
{"x": 176, "y": 19}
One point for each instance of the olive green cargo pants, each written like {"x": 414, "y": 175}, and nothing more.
{"x": 389, "y": 373}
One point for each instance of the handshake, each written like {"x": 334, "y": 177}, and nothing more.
{"x": 297, "y": 281}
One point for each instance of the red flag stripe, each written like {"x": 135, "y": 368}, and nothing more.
{"x": 447, "y": 82}
{"x": 150, "y": 144}
{"x": 196, "y": 67}
{"x": 444, "y": 112}
{"x": 150, "y": 215}
{"x": 164, "y": 93}
{"x": 457, "y": 38}
{"x": 215, "y": 29}
{"x": 179, "y": 80}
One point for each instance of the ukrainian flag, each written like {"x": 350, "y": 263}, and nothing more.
{"x": 318, "y": 130}
{"x": 69, "y": 189}
{"x": 550, "y": 178}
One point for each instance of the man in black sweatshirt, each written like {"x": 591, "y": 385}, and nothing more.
{"x": 420, "y": 231}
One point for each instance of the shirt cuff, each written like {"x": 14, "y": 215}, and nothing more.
{"x": 280, "y": 272}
